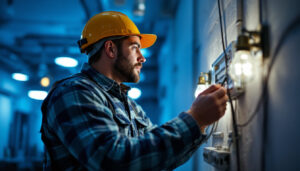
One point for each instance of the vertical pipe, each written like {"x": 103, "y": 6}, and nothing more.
{"x": 195, "y": 65}
{"x": 240, "y": 16}
{"x": 195, "y": 44}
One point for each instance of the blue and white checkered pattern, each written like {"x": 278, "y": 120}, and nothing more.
{"x": 83, "y": 132}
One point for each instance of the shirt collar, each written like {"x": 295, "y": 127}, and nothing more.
{"x": 106, "y": 83}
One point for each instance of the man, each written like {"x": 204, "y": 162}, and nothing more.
{"x": 89, "y": 123}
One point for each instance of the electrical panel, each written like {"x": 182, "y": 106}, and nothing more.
{"x": 219, "y": 154}
{"x": 218, "y": 72}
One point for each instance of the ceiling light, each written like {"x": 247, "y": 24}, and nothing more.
{"x": 66, "y": 61}
{"x": 134, "y": 93}
{"x": 45, "y": 81}
{"x": 37, "y": 94}
{"x": 20, "y": 77}
{"x": 139, "y": 8}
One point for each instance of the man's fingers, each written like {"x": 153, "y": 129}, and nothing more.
{"x": 220, "y": 92}
{"x": 211, "y": 89}
{"x": 223, "y": 101}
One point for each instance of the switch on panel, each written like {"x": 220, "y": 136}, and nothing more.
{"x": 218, "y": 155}
{"x": 219, "y": 158}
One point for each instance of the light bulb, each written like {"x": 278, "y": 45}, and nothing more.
{"x": 203, "y": 83}
{"x": 200, "y": 88}
{"x": 241, "y": 69}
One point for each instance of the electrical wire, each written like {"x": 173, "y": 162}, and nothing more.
{"x": 291, "y": 27}
{"x": 283, "y": 38}
{"x": 217, "y": 124}
{"x": 235, "y": 129}
{"x": 210, "y": 133}
{"x": 252, "y": 116}
{"x": 212, "y": 130}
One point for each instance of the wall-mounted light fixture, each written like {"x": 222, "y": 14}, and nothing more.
{"x": 203, "y": 82}
{"x": 243, "y": 65}
{"x": 241, "y": 69}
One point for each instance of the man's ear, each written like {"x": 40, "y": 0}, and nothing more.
{"x": 110, "y": 49}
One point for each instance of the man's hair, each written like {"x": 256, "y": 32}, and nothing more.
{"x": 97, "y": 55}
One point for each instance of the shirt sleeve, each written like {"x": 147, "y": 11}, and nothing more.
{"x": 85, "y": 125}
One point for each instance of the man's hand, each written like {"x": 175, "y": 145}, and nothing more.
{"x": 209, "y": 106}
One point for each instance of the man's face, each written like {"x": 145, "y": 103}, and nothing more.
{"x": 129, "y": 60}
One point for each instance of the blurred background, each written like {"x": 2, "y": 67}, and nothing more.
{"x": 38, "y": 46}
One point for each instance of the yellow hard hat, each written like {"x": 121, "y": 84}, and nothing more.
{"x": 111, "y": 23}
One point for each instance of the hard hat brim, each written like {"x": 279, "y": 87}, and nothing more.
{"x": 147, "y": 40}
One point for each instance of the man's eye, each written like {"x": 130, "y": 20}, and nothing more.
{"x": 135, "y": 47}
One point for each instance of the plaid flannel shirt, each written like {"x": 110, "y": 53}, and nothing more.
{"x": 89, "y": 123}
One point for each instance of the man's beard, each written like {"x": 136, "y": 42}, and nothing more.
{"x": 125, "y": 70}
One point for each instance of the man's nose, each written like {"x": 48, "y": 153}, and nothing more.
{"x": 141, "y": 58}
